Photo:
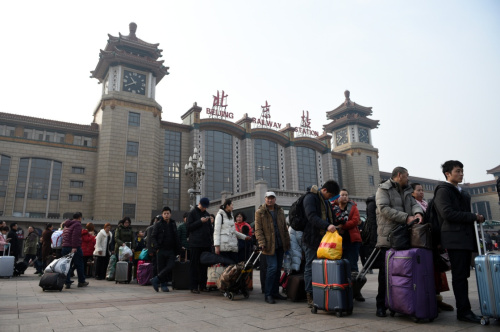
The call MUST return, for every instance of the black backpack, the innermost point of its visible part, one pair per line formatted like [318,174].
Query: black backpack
[370,225]
[297,216]
[431,217]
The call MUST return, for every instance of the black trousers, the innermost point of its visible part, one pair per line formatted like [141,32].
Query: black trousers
[165,260]
[198,271]
[380,299]
[101,266]
[460,272]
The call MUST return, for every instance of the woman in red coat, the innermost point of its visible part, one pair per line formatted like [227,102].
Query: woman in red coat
[88,246]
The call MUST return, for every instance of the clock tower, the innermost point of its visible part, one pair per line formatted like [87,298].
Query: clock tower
[130,137]
[351,129]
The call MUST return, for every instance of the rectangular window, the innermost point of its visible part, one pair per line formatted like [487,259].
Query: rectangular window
[172,169]
[369,160]
[4,174]
[77,170]
[129,210]
[59,138]
[130,179]
[76,184]
[75,198]
[371,180]
[133,148]
[134,119]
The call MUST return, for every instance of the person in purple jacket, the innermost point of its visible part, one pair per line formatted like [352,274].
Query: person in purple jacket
[72,242]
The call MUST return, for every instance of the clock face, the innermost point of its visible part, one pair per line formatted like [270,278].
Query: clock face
[341,137]
[134,82]
[363,136]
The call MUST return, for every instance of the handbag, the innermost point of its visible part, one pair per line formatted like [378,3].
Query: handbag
[421,236]
[330,246]
[442,261]
[399,237]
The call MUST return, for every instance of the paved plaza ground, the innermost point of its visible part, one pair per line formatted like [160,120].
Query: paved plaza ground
[106,306]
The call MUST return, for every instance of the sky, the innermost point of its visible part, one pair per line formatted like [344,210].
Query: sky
[430,70]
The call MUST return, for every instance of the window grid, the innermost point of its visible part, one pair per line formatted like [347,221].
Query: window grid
[306,167]
[76,184]
[78,170]
[129,210]
[130,179]
[218,161]
[172,170]
[134,119]
[337,171]
[4,174]
[132,148]
[38,182]
[75,198]
[369,160]
[266,162]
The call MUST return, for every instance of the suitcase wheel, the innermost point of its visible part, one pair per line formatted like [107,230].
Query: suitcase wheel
[485,321]
[246,295]
[339,313]
[392,313]
[230,296]
[314,310]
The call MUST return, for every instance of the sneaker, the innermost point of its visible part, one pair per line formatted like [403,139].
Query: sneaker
[164,288]
[83,284]
[156,284]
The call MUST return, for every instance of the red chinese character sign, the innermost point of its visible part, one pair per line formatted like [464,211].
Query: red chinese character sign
[219,105]
[265,119]
[305,126]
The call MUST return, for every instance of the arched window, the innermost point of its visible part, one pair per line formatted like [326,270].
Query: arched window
[218,163]
[266,162]
[306,167]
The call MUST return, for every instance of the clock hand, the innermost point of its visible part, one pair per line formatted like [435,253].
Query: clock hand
[129,84]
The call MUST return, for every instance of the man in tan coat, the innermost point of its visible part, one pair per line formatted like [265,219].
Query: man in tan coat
[274,240]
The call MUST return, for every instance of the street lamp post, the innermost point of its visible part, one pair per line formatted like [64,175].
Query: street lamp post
[261,169]
[195,169]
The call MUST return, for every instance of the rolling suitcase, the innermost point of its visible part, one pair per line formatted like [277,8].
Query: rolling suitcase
[180,274]
[488,281]
[6,263]
[123,272]
[52,281]
[410,283]
[332,286]
[144,273]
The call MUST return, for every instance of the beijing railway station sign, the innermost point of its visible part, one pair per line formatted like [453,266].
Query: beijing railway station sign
[305,126]
[218,109]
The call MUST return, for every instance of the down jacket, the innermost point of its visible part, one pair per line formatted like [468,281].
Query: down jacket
[394,205]
[264,229]
[319,217]
[100,243]
[295,248]
[225,234]
[88,243]
[352,222]
[72,234]
[123,234]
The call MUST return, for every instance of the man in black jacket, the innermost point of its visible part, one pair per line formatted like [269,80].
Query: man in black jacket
[166,243]
[15,246]
[200,240]
[457,234]
[319,215]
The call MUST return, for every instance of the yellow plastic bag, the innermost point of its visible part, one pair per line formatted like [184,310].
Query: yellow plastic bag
[330,246]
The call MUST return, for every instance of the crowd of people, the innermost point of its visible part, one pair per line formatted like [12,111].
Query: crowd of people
[327,209]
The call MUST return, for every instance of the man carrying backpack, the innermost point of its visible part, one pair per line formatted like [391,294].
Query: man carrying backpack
[318,213]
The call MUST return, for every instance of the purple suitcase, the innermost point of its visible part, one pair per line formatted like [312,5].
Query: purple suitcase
[410,283]
[144,274]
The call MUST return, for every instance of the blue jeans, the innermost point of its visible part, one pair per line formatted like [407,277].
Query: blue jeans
[77,263]
[274,264]
[350,251]
[310,256]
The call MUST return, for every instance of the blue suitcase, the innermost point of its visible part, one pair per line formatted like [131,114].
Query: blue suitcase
[332,286]
[488,281]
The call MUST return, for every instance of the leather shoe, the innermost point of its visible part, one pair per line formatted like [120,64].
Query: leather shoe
[359,298]
[195,291]
[83,284]
[270,300]
[279,297]
[381,312]
[470,317]
[156,284]
[205,290]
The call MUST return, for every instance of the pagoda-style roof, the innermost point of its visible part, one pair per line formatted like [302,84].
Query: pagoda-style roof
[130,50]
[348,107]
[494,170]
[348,119]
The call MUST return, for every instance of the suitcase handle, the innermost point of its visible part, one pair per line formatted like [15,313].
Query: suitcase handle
[5,246]
[482,237]
[368,264]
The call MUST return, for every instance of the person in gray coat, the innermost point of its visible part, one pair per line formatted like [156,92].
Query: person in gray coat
[395,205]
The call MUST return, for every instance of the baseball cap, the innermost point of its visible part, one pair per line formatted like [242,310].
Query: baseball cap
[270,193]
[205,202]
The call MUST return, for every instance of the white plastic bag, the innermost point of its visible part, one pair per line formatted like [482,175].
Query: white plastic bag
[125,253]
[61,265]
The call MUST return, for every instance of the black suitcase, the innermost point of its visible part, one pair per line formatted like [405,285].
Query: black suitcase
[20,268]
[52,281]
[295,288]
[180,275]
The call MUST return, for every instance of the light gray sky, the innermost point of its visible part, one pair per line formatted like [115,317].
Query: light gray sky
[429,69]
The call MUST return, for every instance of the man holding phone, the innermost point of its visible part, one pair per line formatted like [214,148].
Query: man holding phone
[200,240]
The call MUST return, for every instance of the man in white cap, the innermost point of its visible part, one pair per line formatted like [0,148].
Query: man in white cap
[273,238]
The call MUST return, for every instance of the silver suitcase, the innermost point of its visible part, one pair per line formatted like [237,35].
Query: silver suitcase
[6,263]
[123,272]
